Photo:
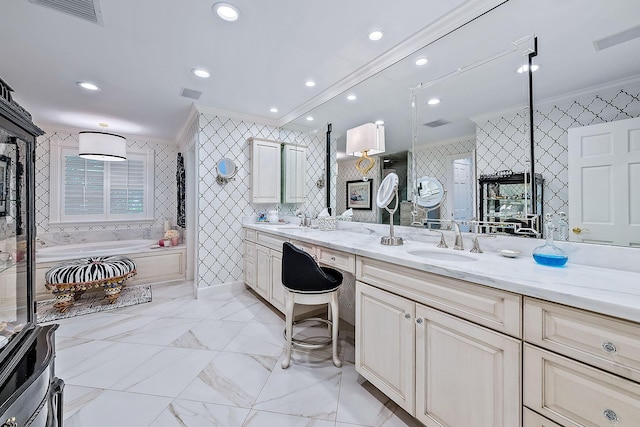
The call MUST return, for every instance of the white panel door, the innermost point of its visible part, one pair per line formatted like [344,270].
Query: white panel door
[295,171]
[604,183]
[385,343]
[265,171]
[461,186]
[466,375]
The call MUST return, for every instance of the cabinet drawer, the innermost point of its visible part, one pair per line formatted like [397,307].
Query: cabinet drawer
[250,273]
[496,309]
[270,240]
[532,419]
[601,341]
[250,234]
[341,260]
[574,394]
[309,248]
[250,251]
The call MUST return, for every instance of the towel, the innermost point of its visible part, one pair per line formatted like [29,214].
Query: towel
[347,213]
[324,213]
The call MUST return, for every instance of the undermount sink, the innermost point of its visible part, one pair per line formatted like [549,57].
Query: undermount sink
[441,255]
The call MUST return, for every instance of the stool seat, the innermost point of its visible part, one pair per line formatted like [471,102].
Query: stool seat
[307,283]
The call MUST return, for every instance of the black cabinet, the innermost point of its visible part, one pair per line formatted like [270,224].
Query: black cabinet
[504,197]
[30,394]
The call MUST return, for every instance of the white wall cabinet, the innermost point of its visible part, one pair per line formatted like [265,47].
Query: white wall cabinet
[294,173]
[265,170]
[443,370]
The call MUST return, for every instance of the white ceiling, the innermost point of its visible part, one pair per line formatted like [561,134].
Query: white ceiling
[569,63]
[142,56]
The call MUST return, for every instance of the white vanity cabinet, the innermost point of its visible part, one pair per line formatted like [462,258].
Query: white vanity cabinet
[581,368]
[294,172]
[442,369]
[265,170]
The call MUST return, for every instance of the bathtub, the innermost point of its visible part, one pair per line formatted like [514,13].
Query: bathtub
[158,265]
[83,250]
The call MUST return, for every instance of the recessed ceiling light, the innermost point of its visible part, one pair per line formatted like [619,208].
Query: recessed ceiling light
[274,110]
[525,68]
[88,86]
[376,35]
[200,73]
[351,97]
[433,101]
[421,61]
[379,122]
[309,83]
[309,118]
[226,11]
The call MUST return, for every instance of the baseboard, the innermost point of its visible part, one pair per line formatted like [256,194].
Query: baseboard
[230,287]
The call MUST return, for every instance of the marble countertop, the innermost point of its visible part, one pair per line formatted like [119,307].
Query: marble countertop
[603,290]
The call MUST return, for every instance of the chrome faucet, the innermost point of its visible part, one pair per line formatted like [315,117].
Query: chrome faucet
[458,244]
[442,243]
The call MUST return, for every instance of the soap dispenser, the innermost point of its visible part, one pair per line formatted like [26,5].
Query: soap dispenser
[549,254]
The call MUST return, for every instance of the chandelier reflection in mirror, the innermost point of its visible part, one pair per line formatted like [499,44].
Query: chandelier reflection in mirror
[100,145]
[365,140]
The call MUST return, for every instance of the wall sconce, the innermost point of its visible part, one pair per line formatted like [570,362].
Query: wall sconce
[365,140]
[103,146]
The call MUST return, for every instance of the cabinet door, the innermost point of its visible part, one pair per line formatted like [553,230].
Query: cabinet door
[263,271]
[277,290]
[295,168]
[466,375]
[265,171]
[385,343]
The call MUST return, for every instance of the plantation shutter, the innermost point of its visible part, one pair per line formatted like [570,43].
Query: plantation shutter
[127,184]
[83,186]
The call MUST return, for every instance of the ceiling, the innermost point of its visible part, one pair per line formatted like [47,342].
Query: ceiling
[566,31]
[142,54]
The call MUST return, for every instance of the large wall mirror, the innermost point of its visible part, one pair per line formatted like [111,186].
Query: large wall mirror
[588,74]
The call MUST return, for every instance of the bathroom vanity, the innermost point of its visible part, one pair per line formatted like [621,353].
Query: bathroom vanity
[461,339]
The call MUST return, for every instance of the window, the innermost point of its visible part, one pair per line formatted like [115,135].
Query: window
[85,190]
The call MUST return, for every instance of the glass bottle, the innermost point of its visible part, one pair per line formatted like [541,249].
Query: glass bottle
[549,254]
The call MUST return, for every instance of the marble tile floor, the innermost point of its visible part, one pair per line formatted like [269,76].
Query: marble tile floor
[214,361]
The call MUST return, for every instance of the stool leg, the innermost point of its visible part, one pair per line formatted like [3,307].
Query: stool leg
[335,323]
[289,302]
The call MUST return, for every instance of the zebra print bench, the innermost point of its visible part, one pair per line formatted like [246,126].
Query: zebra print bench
[69,280]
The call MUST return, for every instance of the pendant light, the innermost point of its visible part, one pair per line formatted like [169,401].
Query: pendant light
[100,145]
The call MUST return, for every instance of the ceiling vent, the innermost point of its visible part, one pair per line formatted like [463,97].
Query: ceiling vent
[89,10]
[190,93]
[437,123]
[616,39]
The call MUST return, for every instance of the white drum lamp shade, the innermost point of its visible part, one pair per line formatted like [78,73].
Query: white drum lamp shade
[362,141]
[368,137]
[102,146]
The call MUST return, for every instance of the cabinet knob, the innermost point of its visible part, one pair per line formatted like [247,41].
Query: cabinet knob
[610,415]
[609,347]
[419,321]
[407,316]
[333,258]
[11,422]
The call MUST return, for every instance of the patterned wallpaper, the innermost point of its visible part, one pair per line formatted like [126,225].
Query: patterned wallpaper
[496,149]
[432,161]
[165,183]
[347,172]
[222,207]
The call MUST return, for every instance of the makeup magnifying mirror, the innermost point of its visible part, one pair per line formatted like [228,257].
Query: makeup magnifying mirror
[429,195]
[226,170]
[387,191]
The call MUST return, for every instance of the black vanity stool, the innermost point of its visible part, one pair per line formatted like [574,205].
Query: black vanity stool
[307,283]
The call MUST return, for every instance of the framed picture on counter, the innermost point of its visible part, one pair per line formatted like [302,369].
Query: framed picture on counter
[5,167]
[359,194]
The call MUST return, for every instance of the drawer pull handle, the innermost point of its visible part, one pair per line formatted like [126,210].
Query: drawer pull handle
[419,321]
[407,316]
[609,347]
[333,258]
[610,415]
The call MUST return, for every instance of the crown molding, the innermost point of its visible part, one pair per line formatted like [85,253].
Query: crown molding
[438,29]
[235,115]
[589,91]
[193,113]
